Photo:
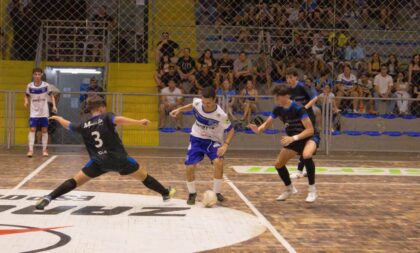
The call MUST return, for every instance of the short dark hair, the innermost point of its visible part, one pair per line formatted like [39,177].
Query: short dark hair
[36,70]
[95,102]
[208,92]
[242,52]
[225,51]
[383,65]
[291,72]
[280,90]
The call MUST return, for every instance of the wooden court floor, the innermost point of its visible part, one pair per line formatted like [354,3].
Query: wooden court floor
[352,213]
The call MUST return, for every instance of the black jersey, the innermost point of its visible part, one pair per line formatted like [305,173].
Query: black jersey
[225,66]
[292,117]
[302,95]
[186,64]
[101,140]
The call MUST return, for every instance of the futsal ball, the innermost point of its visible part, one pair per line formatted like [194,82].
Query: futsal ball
[209,198]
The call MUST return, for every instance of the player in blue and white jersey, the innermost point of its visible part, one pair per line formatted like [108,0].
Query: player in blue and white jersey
[206,138]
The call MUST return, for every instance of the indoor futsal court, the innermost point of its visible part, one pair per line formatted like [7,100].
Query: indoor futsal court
[354,213]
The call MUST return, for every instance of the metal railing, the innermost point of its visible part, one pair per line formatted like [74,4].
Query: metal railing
[400,130]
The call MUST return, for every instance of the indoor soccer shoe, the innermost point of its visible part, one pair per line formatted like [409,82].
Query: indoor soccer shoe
[220,197]
[312,194]
[287,193]
[43,202]
[170,195]
[191,198]
[298,174]
[30,153]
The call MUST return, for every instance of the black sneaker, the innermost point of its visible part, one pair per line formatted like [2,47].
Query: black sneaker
[171,193]
[191,198]
[42,203]
[220,197]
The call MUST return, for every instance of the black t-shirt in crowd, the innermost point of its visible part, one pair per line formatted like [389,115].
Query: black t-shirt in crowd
[205,80]
[279,54]
[168,76]
[292,118]
[186,64]
[225,66]
[101,140]
[168,48]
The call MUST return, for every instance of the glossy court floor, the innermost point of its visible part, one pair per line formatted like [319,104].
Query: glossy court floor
[353,213]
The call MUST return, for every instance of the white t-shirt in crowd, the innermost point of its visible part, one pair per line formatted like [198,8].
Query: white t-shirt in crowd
[319,52]
[348,82]
[38,96]
[383,83]
[172,96]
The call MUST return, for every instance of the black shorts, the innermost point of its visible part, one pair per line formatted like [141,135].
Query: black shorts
[299,146]
[93,169]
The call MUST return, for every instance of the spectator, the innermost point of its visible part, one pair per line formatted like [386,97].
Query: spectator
[309,6]
[224,68]
[374,66]
[329,96]
[170,100]
[172,74]
[95,88]
[393,65]
[279,52]
[166,47]
[366,90]
[302,21]
[323,80]
[262,69]
[162,69]
[354,54]
[208,59]
[204,78]
[346,87]
[414,71]
[242,70]
[340,36]
[265,21]
[318,52]
[229,93]
[186,69]
[249,101]
[402,88]
[383,89]
[103,16]
[316,21]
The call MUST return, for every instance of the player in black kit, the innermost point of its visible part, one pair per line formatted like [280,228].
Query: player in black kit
[299,139]
[106,152]
[303,96]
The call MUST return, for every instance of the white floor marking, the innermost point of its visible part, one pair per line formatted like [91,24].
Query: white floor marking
[261,217]
[36,171]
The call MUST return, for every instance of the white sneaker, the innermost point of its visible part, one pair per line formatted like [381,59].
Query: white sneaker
[286,194]
[312,195]
[298,174]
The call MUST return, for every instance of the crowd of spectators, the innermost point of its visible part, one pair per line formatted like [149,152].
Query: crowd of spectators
[346,73]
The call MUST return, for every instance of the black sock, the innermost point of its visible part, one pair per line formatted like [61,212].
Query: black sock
[310,170]
[301,164]
[284,175]
[64,188]
[151,183]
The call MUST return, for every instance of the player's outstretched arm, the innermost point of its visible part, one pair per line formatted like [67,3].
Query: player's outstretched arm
[65,123]
[185,108]
[258,129]
[124,121]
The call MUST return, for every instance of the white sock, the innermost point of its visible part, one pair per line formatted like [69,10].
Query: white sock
[191,187]
[289,187]
[217,185]
[31,138]
[312,188]
[44,141]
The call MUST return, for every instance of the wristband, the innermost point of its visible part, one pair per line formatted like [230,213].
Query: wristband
[295,137]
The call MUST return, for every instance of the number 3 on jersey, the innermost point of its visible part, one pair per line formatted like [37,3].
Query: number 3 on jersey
[98,139]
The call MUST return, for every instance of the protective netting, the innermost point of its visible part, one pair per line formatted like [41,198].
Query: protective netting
[81,30]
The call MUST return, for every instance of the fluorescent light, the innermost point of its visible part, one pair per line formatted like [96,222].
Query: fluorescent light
[77,71]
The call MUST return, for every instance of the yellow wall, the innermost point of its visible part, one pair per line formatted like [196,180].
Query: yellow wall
[14,75]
